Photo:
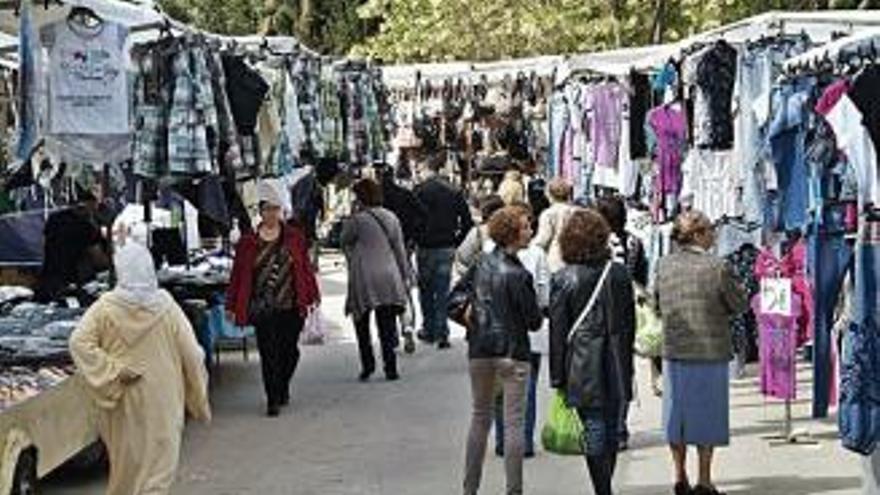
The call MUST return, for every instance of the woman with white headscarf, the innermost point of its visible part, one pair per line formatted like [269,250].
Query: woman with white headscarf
[142,365]
[272,288]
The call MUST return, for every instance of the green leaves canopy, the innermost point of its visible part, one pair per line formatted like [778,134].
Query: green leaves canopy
[443,30]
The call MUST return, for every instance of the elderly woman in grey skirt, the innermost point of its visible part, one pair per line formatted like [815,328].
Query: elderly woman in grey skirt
[378,275]
[697,296]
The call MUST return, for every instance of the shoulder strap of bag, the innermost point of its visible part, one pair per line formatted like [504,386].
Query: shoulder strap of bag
[593,298]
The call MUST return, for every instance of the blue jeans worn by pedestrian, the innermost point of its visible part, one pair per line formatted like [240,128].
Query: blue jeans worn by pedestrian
[531,410]
[435,277]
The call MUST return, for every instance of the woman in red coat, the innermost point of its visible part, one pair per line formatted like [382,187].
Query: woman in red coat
[272,287]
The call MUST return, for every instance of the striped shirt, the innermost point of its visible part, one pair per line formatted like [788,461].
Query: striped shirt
[273,274]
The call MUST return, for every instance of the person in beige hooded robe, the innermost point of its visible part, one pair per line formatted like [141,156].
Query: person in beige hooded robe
[140,360]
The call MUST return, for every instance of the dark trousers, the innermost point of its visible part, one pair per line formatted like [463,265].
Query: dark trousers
[278,344]
[600,445]
[386,317]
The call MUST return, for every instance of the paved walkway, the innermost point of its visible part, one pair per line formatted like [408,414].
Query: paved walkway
[342,437]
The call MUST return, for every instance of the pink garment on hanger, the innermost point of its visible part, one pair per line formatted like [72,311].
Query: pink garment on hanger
[669,126]
[604,105]
[566,155]
[832,95]
[777,345]
[793,265]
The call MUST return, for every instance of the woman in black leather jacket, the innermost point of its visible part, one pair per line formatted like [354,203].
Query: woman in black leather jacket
[591,356]
[503,309]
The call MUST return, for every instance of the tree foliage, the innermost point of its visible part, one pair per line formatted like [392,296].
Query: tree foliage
[328,26]
[438,30]
[441,30]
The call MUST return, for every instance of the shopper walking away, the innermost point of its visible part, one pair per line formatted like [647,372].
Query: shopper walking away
[478,241]
[412,216]
[697,297]
[534,260]
[272,288]
[141,363]
[628,250]
[592,332]
[498,299]
[378,275]
[449,221]
[405,205]
[553,219]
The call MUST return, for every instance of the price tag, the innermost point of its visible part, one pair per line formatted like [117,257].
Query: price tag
[776,296]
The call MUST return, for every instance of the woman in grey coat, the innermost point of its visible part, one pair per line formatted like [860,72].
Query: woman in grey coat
[378,275]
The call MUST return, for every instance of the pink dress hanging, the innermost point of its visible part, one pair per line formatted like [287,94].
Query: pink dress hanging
[777,344]
[793,265]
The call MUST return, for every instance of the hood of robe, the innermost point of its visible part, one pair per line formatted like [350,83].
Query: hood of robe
[136,304]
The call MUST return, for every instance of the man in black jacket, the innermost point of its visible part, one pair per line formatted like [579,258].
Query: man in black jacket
[413,216]
[448,222]
[405,205]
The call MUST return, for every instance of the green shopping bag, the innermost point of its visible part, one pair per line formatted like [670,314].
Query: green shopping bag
[563,432]
[649,332]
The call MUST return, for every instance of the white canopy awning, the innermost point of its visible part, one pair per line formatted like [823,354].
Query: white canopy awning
[620,61]
[398,76]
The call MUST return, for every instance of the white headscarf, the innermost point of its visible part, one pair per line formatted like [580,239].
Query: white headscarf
[271,191]
[136,281]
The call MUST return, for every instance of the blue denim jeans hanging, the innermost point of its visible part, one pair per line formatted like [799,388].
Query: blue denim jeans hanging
[831,257]
[860,381]
[787,142]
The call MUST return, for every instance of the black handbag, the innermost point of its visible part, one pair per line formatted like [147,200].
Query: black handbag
[460,302]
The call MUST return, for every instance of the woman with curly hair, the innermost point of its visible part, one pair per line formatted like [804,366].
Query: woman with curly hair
[500,309]
[592,333]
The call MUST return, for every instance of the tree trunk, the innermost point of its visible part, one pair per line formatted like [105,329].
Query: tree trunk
[659,25]
[305,21]
[616,15]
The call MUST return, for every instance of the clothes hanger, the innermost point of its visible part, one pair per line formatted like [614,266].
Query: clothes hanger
[84,17]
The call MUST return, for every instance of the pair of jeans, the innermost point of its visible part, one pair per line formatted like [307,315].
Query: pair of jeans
[787,136]
[386,319]
[601,435]
[859,415]
[485,374]
[435,278]
[278,345]
[832,257]
[531,410]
